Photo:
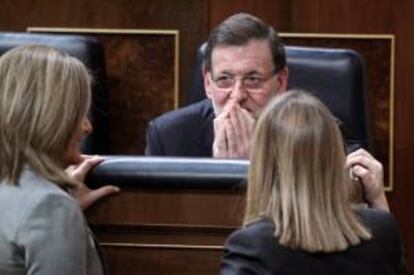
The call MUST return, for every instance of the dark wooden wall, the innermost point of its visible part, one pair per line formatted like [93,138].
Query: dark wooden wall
[166,231]
[196,17]
[189,17]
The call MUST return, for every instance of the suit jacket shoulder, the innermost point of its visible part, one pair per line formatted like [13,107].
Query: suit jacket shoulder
[255,250]
[386,236]
[44,231]
[184,132]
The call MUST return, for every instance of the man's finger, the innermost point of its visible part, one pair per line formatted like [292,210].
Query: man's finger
[232,141]
[360,171]
[362,157]
[362,153]
[227,109]
[248,122]
[220,141]
[368,163]
[236,127]
[218,124]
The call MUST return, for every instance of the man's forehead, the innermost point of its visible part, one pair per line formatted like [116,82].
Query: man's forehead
[254,56]
[252,43]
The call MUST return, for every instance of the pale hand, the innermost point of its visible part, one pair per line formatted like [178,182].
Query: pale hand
[233,133]
[83,195]
[371,173]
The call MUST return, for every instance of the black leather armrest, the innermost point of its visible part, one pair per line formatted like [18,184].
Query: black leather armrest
[169,172]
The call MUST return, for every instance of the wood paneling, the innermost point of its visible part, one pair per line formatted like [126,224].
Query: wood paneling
[170,207]
[275,12]
[163,260]
[141,81]
[166,231]
[402,200]
[355,16]
[146,100]
[189,17]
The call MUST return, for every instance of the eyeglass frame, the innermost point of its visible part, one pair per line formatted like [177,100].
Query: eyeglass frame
[234,79]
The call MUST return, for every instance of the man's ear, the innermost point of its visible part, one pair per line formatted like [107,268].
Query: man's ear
[282,79]
[208,83]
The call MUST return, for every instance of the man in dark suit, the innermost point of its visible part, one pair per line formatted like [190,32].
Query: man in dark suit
[244,67]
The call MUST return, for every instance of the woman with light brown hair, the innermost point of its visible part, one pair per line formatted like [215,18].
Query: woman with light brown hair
[299,219]
[44,102]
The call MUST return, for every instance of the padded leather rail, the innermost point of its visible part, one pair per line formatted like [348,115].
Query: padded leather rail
[169,172]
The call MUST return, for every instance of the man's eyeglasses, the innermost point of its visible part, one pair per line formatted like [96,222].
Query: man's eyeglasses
[226,81]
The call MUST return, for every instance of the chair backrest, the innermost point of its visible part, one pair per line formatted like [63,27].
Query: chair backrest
[335,76]
[90,51]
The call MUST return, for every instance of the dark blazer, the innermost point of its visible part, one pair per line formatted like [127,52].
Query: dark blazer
[254,250]
[184,132]
[188,132]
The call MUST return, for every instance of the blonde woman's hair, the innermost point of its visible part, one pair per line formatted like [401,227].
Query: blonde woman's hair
[44,94]
[297,177]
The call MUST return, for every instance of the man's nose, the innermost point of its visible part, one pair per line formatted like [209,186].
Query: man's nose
[238,92]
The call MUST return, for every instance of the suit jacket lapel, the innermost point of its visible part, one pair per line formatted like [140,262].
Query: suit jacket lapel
[204,136]
[100,253]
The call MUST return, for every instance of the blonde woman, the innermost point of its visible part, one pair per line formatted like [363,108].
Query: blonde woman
[298,217]
[44,101]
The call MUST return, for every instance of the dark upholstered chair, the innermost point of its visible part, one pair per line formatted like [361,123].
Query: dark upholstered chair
[336,76]
[91,53]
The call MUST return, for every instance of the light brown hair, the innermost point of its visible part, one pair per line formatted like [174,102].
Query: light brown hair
[44,94]
[297,176]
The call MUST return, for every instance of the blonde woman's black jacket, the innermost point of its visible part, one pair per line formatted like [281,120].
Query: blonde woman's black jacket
[254,250]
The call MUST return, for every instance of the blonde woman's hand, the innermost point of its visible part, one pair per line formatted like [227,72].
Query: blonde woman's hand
[371,173]
[83,195]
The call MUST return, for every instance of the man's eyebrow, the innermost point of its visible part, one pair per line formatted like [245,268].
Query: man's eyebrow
[250,73]
[225,72]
